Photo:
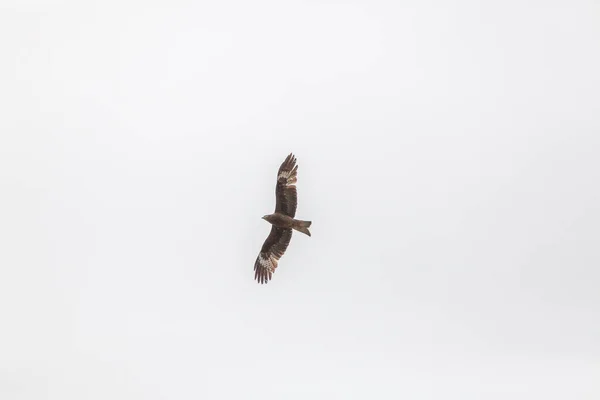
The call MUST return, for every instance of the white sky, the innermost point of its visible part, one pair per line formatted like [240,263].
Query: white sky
[448,157]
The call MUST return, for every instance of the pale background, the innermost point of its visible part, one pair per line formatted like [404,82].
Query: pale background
[449,161]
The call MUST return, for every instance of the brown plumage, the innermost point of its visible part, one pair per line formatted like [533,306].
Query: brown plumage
[282,221]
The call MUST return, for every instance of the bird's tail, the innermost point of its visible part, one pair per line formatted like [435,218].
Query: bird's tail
[302,226]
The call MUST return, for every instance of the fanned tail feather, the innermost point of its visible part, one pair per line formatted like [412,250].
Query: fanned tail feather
[302,226]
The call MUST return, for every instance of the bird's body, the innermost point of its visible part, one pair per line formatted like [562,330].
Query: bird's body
[282,221]
[279,220]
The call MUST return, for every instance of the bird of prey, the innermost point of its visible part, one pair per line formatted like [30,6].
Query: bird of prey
[282,221]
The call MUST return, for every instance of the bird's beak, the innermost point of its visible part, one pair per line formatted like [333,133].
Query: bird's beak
[264,217]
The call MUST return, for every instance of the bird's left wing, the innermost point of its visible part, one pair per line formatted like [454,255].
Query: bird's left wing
[285,192]
[272,250]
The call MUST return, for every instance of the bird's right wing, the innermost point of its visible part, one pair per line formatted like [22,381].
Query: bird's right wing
[272,250]
[285,192]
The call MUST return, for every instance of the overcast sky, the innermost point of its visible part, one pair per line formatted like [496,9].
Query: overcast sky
[449,158]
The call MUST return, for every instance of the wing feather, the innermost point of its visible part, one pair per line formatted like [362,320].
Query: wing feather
[270,253]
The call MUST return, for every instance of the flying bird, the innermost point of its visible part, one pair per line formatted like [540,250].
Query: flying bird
[282,221]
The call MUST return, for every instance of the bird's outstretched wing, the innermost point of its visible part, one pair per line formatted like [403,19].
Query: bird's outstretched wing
[272,250]
[285,192]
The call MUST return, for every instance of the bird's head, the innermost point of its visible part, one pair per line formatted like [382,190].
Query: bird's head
[267,218]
